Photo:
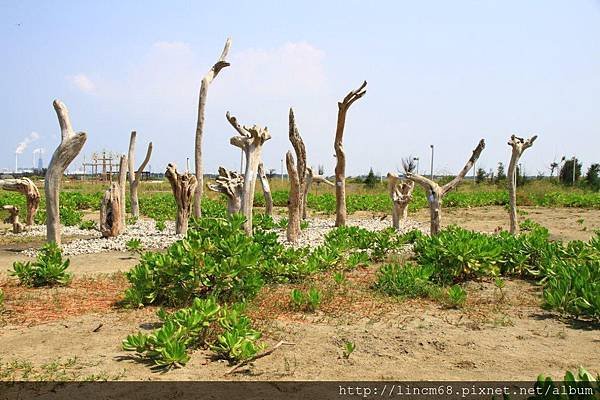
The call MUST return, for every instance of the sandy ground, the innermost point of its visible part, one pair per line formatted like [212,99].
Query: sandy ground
[490,339]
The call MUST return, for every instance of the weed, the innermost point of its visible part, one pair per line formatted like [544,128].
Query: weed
[456,296]
[348,349]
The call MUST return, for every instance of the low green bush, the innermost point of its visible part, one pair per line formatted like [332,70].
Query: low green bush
[48,270]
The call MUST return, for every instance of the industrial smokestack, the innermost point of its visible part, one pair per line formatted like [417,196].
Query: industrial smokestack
[16,162]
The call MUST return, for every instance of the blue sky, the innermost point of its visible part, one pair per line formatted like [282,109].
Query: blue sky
[439,72]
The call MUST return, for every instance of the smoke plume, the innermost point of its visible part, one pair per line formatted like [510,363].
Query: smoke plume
[33,136]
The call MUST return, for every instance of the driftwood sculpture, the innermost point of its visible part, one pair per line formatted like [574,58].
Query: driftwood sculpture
[297,173]
[206,81]
[136,176]
[251,140]
[111,208]
[401,194]
[519,145]
[264,182]
[310,178]
[340,166]
[229,183]
[29,190]
[122,184]
[69,147]
[183,186]
[435,192]
[13,218]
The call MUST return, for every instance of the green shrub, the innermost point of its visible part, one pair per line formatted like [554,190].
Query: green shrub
[408,280]
[49,269]
[456,296]
[87,225]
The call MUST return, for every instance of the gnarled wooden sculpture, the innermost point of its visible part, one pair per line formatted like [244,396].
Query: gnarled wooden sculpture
[183,186]
[264,182]
[251,140]
[435,192]
[69,147]
[28,189]
[206,81]
[136,176]
[340,166]
[401,194]
[519,145]
[13,218]
[229,183]
[111,208]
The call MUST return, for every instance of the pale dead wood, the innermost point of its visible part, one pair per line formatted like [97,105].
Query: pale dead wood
[401,195]
[261,355]
[110,212]
[229,183]
[13,218]
[519,145]
[300,150]
[69,147]
[340,166]
[435,192]
[264,182]
[251,141]
[293,228]
[206,81]
[310,178]
[26,187]
[136,176]
[183,187]
[122,184]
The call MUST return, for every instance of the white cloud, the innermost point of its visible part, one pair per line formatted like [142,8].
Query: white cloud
[82,82]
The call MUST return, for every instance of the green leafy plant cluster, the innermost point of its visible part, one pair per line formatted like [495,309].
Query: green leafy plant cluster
[87,225]
[575,385]
[223,329]
[48,270]
[306,301]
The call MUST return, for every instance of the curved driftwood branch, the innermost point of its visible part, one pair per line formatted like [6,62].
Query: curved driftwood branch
[26,187]
[69,147]
[264,182]
[206,81]
[251,140]
[435,192]
[519,145]
[183,187]
[401,195]
[293,228]
[136,176]
[340,167]
[229,183]
[13,218]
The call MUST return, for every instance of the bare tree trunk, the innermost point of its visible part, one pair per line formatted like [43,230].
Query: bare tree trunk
[519,145]
[183,186]
[230,183]
[401,194]
[251,140]
[27,188]
[122,184]
[206,81]
[293,228]
[13,218]
[264,182]
[69,147]
[340,166]
[435,192]
[111,220]
[136,176]
[300,149]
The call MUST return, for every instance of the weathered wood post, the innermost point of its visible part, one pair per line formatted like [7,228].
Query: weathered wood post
[519,145]
[136,176]
[401,194]
[13,218]
[26,187]
[122,184]
[340,166]
[206,81]
[435,192]
[111,208]
[69,147]
[264,182]
[183,186]
[293,228]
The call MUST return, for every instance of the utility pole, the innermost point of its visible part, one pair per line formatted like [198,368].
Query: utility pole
[282,170]
[574,167]
[417,160]
[431,172]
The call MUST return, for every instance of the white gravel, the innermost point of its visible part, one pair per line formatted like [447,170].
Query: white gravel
[145,230]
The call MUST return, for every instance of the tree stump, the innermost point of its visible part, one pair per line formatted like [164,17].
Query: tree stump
[300,149]
[251,140]
[183,186]
[13,218]
[111,222]
[435,192]
[229,183]
[69,147]
[206,81]
[401,195]
[519,145]
[135,176]
[26,187]
[264,182]
[293,228]
[340,166]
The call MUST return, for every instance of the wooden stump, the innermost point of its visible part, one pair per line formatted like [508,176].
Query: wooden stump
[401,195]
[293,228]
[13,218]
[111,222]
[519,145]
[264,182]
[183,187]
[229,183]
[26,187]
